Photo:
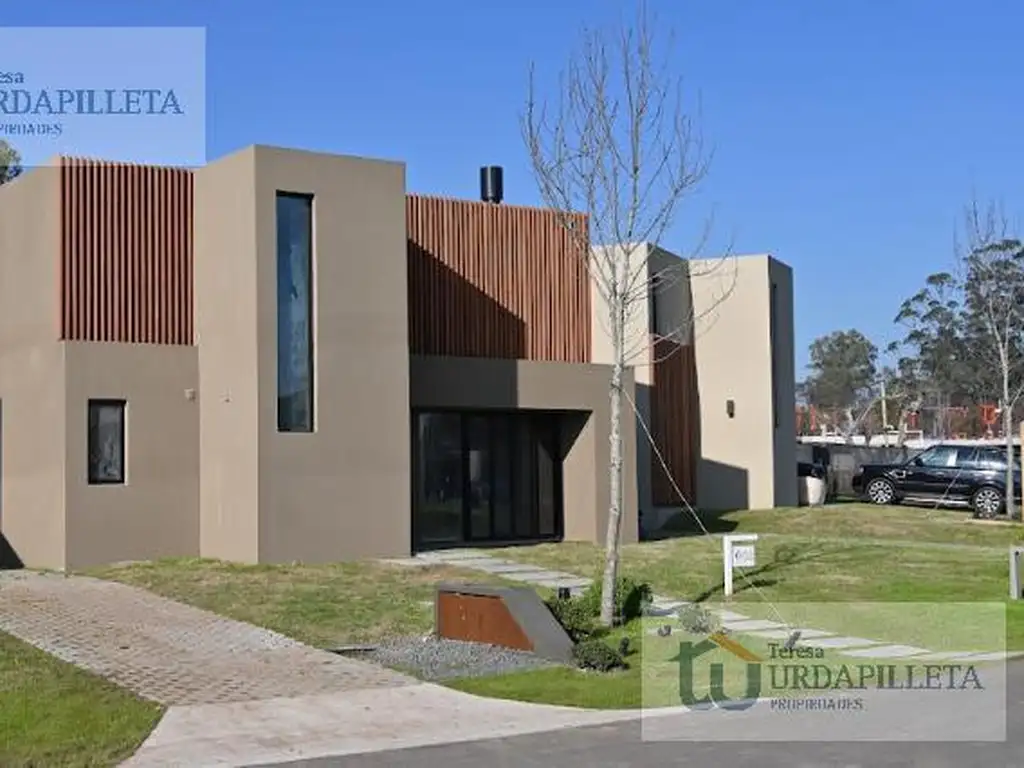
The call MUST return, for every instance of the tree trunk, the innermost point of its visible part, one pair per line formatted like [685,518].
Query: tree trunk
[611,554]
[901,432]
[617,311]
[1011,511]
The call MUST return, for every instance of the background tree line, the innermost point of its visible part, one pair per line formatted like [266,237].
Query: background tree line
[956,367]
[959,346]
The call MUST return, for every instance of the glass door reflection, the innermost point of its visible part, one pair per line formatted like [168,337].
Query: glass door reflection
[440,478]
[478,447]
[487,476]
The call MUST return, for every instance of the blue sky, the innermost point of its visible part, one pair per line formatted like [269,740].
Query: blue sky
[847,135]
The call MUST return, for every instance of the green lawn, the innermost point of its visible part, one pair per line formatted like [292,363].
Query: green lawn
[812,557]
[53,714]
[323,605]
[844,553]
[570,687]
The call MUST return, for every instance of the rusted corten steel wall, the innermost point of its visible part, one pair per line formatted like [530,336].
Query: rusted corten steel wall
[674,416]
[125,253]
[497,281]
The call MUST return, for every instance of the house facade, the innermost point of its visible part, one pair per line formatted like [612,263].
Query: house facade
[283,356]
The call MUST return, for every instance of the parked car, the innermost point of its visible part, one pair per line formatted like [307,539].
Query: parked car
[953,475]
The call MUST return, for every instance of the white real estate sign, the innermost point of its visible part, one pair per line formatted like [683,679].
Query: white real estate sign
[737,552]
[743,556]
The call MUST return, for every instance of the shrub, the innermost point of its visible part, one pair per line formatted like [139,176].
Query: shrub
[631,597]
[596,655]
[574,615]
[698,620]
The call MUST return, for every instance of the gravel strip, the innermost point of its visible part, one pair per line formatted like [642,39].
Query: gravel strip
[433,658]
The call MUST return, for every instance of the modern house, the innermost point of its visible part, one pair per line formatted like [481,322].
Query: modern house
[283,356]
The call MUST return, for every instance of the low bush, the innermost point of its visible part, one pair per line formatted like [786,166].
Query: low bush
[698,620]
[598,656]
[631,597]
[575,617]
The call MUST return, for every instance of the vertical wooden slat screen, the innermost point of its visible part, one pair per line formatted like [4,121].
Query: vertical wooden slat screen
[498,281]
[674,422]
[126,253]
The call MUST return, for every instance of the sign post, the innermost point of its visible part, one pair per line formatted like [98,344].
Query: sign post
[737,552]
[1015,584]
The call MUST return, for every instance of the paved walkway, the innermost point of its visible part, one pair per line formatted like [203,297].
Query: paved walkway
[169,652]
[356,722]
[667,606]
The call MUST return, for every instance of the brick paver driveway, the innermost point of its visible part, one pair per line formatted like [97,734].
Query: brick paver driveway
[169,652]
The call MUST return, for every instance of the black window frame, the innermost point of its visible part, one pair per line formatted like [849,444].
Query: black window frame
[523,482]
[310,200]
[94,406]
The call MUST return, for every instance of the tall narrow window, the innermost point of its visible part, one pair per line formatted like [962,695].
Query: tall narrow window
[774,341]
[294,312]
[106,442]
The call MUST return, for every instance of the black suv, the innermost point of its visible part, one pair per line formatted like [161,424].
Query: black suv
[955,475]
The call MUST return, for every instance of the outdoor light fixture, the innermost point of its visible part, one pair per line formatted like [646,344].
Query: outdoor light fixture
[730,408]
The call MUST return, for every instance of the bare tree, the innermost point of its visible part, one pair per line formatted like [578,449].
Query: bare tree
[992,278]
[621,147]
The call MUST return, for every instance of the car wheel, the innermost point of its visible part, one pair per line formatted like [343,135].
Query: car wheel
[987,502]
[881,491]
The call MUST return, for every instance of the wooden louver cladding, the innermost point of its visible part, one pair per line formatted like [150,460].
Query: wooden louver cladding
[497,281]
[126,253]
[674,422]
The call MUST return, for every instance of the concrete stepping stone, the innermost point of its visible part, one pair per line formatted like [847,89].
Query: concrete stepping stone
[986,656]
[944,655]
[499,567]
[670,602]
[454,555]
[731,616]
[535,577]
[784,634]
[568,582]
[888,652]
[662,610]
[475,564]
[667,606]
[839,642]
[751,624]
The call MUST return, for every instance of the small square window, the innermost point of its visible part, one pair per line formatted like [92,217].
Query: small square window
[106,442]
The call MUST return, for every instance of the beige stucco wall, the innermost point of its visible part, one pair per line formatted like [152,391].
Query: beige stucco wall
[342,491]
[721,307]
[746,461]
[31,370]
[32,440]
[225,301]
[638,353]
[481,383]
[155,513]
[784,373]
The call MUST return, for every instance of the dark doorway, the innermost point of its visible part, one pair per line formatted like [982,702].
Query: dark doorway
[486,477]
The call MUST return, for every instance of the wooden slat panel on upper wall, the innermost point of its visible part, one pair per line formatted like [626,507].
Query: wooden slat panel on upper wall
[126,253]
[498,281]
[674,423]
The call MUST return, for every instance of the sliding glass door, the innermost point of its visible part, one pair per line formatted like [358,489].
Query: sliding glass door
[487,476]
[439,470]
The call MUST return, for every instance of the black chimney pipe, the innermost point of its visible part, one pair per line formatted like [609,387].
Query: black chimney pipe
[491,187]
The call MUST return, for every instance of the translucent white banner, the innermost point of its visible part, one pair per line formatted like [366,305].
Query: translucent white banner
[827,672]
[136,94]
